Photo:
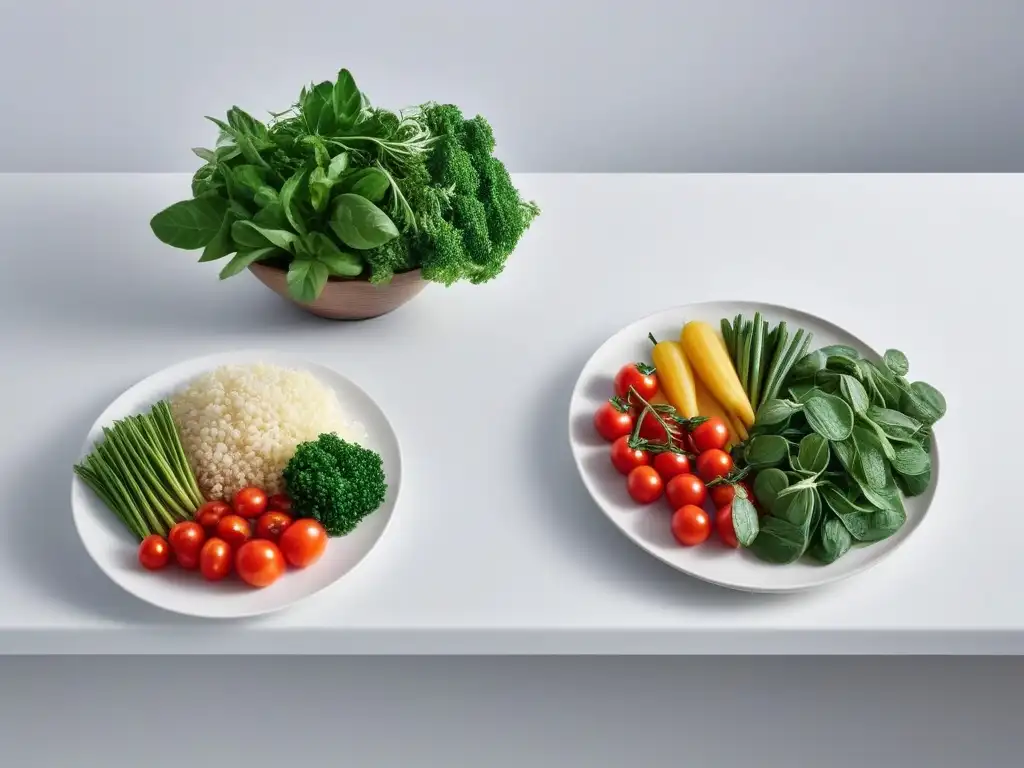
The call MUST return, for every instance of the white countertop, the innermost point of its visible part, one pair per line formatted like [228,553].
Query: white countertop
[495,546]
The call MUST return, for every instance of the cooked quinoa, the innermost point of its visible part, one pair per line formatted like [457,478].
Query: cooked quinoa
[240,424]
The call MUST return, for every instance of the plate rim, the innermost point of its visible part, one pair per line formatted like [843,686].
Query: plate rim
[632,537]
[175,370]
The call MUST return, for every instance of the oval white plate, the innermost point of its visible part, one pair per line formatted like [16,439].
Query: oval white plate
[173,589]
[648,526]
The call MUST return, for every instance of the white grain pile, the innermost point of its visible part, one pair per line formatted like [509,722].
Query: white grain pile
[239,424]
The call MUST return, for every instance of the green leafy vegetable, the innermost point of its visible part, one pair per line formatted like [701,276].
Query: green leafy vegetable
[813,455]
[191,223]
[766,451]
[829,416]
[306,278]
[768,484]
[744,520]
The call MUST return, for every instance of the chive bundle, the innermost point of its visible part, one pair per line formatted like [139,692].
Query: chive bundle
[140,472]
[763,355]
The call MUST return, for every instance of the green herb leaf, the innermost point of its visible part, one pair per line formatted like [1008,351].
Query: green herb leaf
[221,245]
[266,195]
[766,451]
[871,463]
[249,177]
[829,416]
[914,485]
[911,460]
[243,259]
[317,109]
[813,454]
[744,521]
[337,261]
[190,224]
[834,541]
[840,350]
[854,393]
[896,362]
[767,486]
[360,224]
[246,124]
[346,99]
[205,154]
[306,279]
[319,189]
[896,425]
[287,200]
[796,508]
[337,166]
[776,411]
[779,541]
[372,184]
[923,402]
[856,519]
[807,366]
[279,237]
[843,364]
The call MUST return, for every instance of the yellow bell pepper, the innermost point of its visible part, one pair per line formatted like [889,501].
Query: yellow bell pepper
[675,377]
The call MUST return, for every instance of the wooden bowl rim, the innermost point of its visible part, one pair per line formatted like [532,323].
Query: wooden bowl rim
[413,274]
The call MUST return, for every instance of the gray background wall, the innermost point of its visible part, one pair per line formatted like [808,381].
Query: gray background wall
[675,85]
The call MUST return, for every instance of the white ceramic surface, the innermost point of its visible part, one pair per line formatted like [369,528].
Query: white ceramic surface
[114,550]
[649,526]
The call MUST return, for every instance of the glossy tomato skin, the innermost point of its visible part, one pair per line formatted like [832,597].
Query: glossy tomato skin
[644,485]
[272,524]
[259,563]
[611,422]
[186,539]
[722,494]
[714,463]
[303,543]
[712,433]
[723,524]
[234,530]
[210,514]
[154,552]
[630,376]
[626,459]
[686,489]
[651,429]
[281,502]
[669,464]
[250,502]
[215,559]
[690,525]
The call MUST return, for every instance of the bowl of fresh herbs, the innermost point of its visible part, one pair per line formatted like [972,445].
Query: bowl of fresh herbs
[347,209]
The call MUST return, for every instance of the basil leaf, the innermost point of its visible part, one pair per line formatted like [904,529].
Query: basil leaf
[744,521]
[317,108]
[373,185]
[205,154]
[767,485]
[854,393]
[829,416]
[360,224]
[243,259]
[190,224]
[221,245]
[766,451]
[813,454]
[337,166]
[246,124]
[834,541]
[319,189]
[911,460]
[249,177]
[338,262]
[287,200]
[779,541]
[923,402]
[346,99]
[306,279]
[896,362]
[776,412]
[242,232]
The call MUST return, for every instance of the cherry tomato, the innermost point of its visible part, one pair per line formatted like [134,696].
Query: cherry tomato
[714,463]
[154,552]
[644,485]
[651,429]
[259,563]
[250,502]
[215,559]
[303,543]
[722,494]
[281,502]
[638,376]
[723,524]
[613,420]
[210,514]
[685,489]
[669,464]
[271,525]
[626,459]
[234,530]
[690,525]
[186,539]
[713,433]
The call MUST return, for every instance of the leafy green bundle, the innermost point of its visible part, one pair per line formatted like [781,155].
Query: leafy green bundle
[336,187]
[835,457]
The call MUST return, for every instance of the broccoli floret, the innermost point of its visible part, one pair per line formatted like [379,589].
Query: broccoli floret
[335,482]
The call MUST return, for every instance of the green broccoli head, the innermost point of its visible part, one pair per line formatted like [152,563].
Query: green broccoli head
[335,482]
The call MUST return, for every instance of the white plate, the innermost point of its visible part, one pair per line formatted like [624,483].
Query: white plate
[115,551]
[648,526]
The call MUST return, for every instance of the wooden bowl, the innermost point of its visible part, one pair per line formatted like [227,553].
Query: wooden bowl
[348,298]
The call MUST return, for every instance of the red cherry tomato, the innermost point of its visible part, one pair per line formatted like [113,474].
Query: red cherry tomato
[685,489]
[271,525]
[303,543]
[644,485]
[259,563]
[186,539]
[714,463]
[638,376]
[281,502]
[215,559]
[651,429]
[613,420]
[713,433]
[210,514]
[234,530]
[250,502]
[669,464]
[723,524]
[626,459]
[722,494]
[690,525]
[154,552]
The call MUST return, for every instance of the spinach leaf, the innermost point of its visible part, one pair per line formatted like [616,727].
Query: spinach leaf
[844,365]
[911,460]
[887,385]
[779,541]
[896,425]
[766,451]
[271,217]
[872,466]
[856,518]
[319,189]
[813,454]
[914,485]
[360,224]
[251,235]
[190,224]
[347,101]
[371,184]
[744,521]
[205,154]
[767,485]
[829,416]
[321,248]
[808,365]
[923,402]
[221,245]
[243,259]
[880,436]
[317,108]
[833,541]
[854,393]
[266,195]
[840,350]
[248,177]
[287,200]
[796,508]
[800,392]
[896,362]
[776,412]
[306,279]
[337,166]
